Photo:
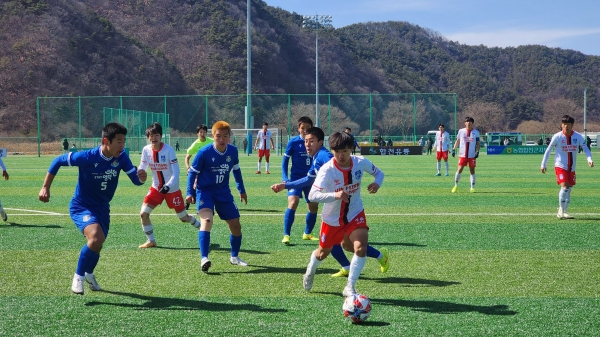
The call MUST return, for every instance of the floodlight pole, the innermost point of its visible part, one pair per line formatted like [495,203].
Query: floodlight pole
[314,21]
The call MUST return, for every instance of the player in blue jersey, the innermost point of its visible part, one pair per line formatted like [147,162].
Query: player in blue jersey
[313,142]
[99,170]
[211,167]
[301,163]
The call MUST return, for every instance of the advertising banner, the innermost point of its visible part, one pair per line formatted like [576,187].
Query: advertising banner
[537,149]
[391,150]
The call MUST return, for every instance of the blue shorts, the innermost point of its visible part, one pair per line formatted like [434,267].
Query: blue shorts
[84,215]
[220,201]
[299,191]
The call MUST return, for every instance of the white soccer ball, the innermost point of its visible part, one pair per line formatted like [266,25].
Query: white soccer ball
[357,308]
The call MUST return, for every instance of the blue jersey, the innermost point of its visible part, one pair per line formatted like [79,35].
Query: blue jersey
[301,161]
[98,175]
[211,168]
[322,156]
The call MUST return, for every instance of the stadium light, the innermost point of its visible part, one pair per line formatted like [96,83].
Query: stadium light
[315,22]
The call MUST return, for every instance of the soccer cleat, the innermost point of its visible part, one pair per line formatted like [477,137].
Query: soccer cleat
[385,260]
[307,281]
[472,190]
[348,290]
[267,172]
[560,213]
[446,174]
[90,279]
[235,260]
[205,264]
[309,237]
[286,240]
[148,244]
[77,286]
[342,273]
[567,216]
[438,174]
[257,172]
[454,189]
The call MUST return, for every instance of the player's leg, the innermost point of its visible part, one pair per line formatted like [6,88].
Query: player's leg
[260,156]
[439,164]
[94,226]
[267,155]
[175,202]
[446,163]
[333,235]
[206,223]
[472,177]
[235,239]
[3,213]
[381,255]
[461,165]
[359,238]
[290,214]
[147,226]
[311,216]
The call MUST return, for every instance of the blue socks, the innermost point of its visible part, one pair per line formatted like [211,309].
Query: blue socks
[311,219]
[88,259]
[236,243]
[288,221]
[373,252]
[338,254]
[204,243]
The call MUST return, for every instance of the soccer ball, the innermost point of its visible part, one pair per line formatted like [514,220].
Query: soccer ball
[357,308]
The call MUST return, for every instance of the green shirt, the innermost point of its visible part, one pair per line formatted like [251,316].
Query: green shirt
[197,145]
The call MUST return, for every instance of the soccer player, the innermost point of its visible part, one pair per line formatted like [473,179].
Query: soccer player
[301,163]
[442,142]
[5,175]
[161,159]
[468,140]
[99,170]
[343,217]
[263,139]
[211,167]
[566,142]
[349,131]
[202,141]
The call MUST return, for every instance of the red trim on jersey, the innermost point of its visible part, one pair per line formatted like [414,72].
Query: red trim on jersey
[467,143]
[159,174]
[569,153]
[345,206]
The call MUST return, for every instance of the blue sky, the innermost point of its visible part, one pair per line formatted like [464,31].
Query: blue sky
[493,23]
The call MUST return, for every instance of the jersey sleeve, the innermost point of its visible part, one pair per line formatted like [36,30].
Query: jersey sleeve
[174,168]
[318,191]
[373,170]
[143,163]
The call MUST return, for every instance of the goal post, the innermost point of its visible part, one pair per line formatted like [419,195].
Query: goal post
[238,136]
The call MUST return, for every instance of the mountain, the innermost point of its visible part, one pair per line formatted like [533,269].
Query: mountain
[183,47]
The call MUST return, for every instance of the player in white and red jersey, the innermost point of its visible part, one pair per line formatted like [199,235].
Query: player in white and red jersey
[566,142]
[264,144]
[442,143]
[338,185]
[468,140]
[161,159]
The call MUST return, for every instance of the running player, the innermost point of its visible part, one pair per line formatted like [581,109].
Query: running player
[566,142]
[99,170]
[442,142]
[161,159]
[5,175]
[468,139]
[263,139]
[211,167]
[301,163]
[338,186]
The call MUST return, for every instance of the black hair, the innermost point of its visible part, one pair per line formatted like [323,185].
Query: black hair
[442,125]
[265,123]
[111,130]
[340,141]
[349,129]
[154,128]
[306,120]
[469,119]
[317,132]
[201,127]
[566,119]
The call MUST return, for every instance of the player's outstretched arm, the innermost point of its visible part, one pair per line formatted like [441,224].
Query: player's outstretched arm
[44,195]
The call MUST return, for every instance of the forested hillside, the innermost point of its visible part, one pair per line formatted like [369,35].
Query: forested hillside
[179,47]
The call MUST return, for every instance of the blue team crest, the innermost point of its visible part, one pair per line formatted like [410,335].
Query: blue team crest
[228,159]
[86,218]
[574,140]
[115,163]
[200,202]
[358,175]
[163,158]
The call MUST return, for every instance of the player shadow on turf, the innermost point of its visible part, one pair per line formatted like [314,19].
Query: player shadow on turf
[257,269]
[412,282]
[215,247]
[14,225]
[440,307]
[173,303]
[404,244]
[261,210]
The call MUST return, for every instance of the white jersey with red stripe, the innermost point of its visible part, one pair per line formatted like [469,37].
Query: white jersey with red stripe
[468,142]
[332,178]
[566,150]
[442,141]
[264,140]
[164,166]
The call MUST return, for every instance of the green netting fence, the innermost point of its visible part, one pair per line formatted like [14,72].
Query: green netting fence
[401,117]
